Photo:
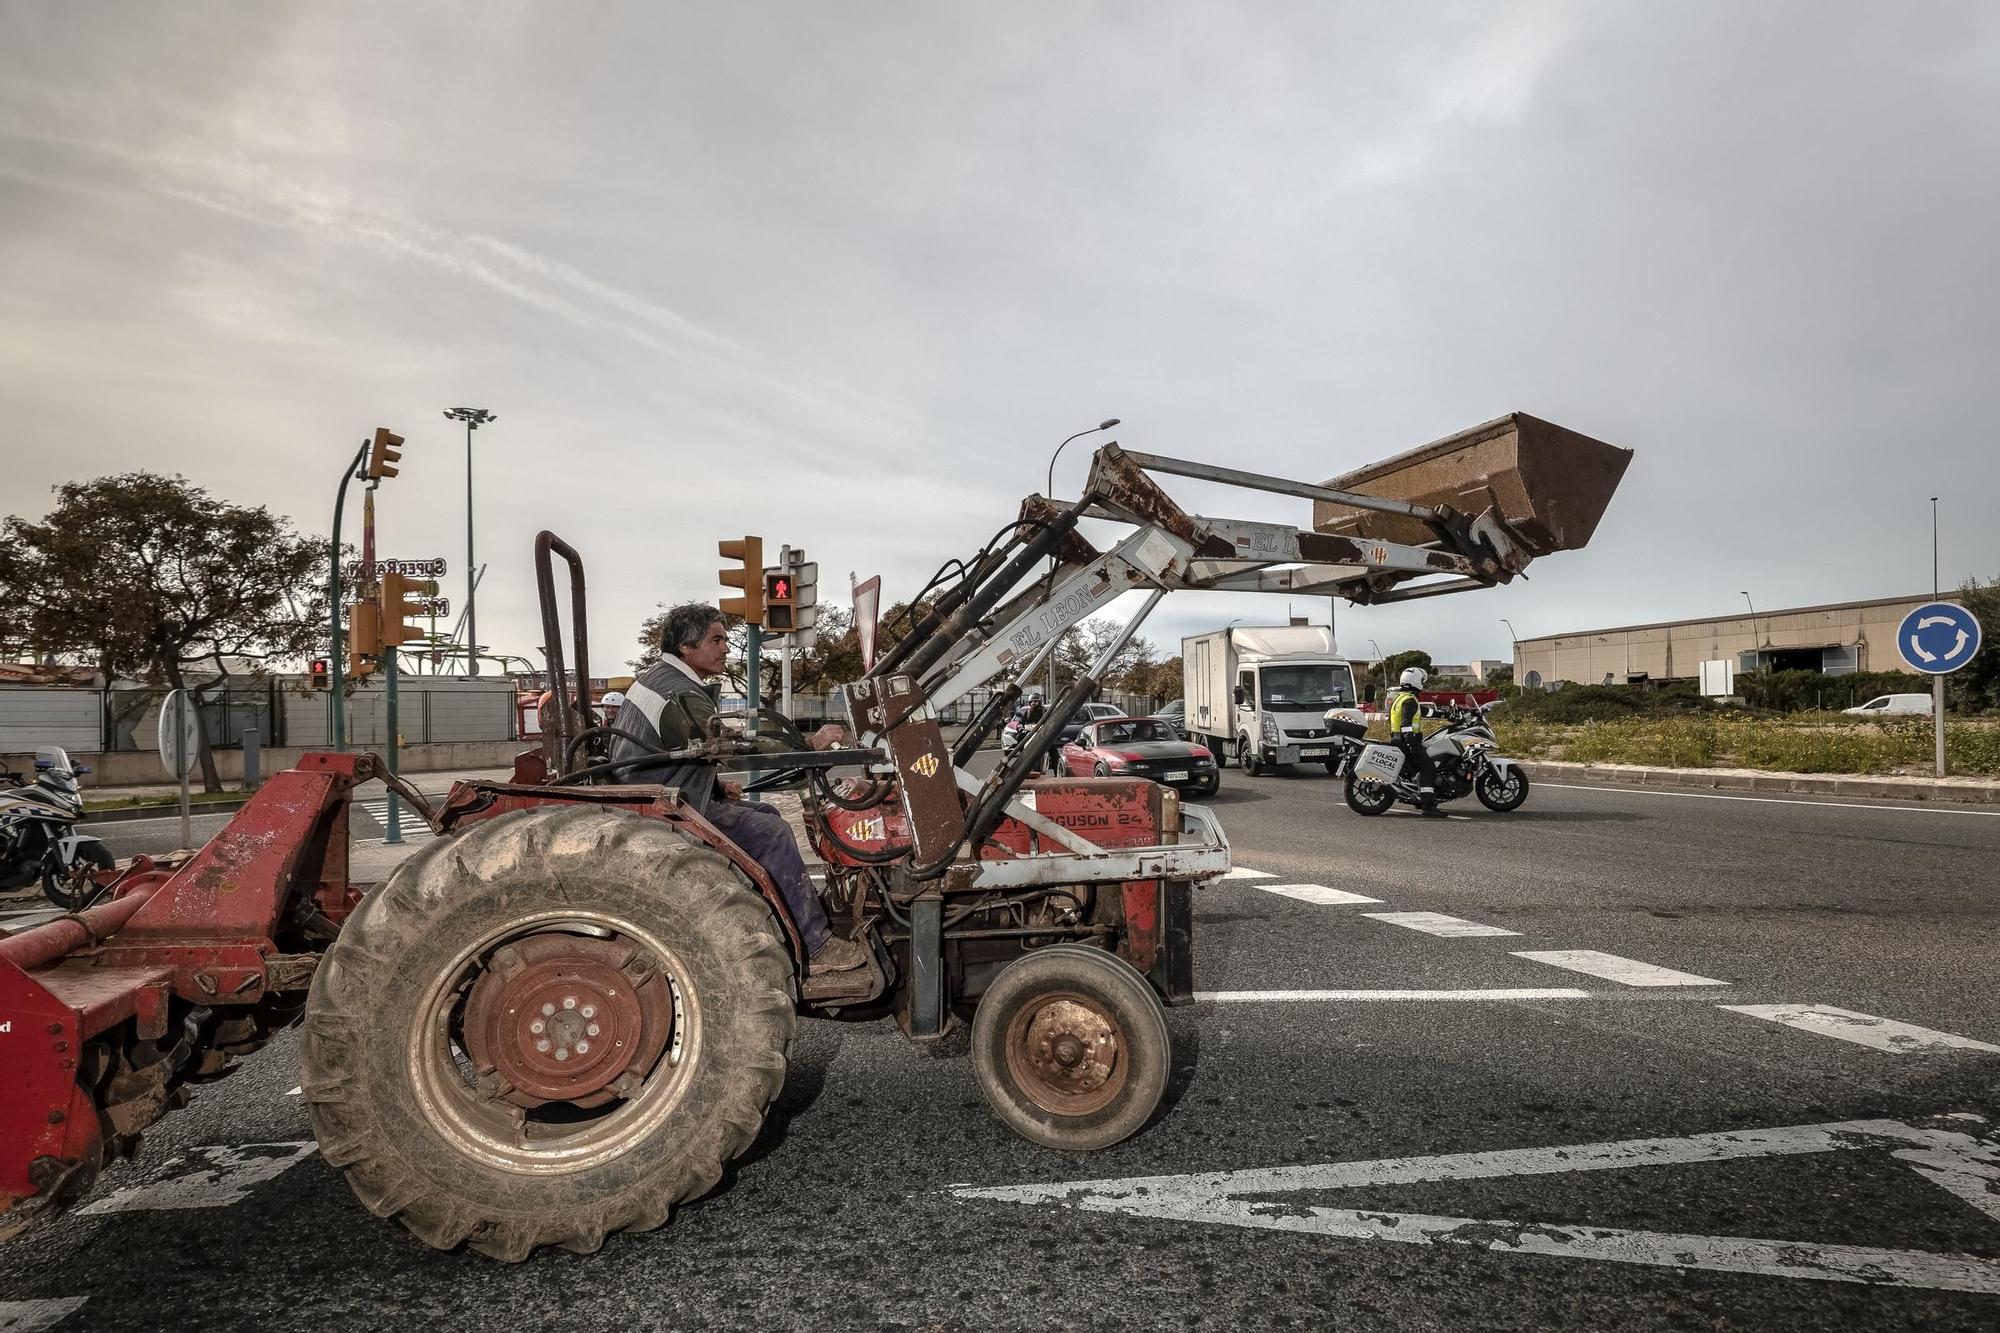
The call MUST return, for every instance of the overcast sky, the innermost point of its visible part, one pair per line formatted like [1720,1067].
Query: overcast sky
[844,275]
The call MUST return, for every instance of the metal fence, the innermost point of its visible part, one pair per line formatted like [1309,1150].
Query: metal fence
[284,711]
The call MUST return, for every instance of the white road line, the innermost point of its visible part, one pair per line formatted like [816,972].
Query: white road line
[294,1092]
[1245,872]
[1231,1198]
[1316,893]
[209,1177]
[1917,808]
[1883,1034]
[1341,996]
[34,1316]
[1611,967]
[1437,923]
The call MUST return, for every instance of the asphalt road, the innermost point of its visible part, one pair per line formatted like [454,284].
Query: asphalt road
[883,1195]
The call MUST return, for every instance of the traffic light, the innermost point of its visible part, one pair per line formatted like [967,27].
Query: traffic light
[364,638]
[322,673]
[384,454]
[778,601]
[402,601]
[805,596]
[749,555]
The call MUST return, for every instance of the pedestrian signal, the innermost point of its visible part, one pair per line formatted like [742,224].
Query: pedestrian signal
[778,584]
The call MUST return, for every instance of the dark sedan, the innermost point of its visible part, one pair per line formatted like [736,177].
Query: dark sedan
[1141,747]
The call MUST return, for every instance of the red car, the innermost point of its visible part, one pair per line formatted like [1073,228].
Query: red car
[1142,747]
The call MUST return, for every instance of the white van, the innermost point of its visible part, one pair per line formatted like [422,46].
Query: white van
[1888,705]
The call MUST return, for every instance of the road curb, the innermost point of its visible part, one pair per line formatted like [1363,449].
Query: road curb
[1946,792]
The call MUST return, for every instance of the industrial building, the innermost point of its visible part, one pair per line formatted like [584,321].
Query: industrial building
[1836,639]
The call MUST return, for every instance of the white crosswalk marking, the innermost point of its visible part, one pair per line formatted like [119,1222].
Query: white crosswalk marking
[34,1316]
[1245,872]
[1437,923]
[1883,1034]
[1611,967]
[1316,893]
[1385,996]
[208,1177]
[409,824]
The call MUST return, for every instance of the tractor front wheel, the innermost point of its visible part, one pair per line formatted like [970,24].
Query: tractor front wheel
[1070,1047]
[559,1024]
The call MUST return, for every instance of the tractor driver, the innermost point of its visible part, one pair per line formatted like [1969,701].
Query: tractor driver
[1405,712]
[668,708]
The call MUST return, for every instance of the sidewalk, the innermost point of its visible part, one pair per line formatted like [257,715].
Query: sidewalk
[1976,791]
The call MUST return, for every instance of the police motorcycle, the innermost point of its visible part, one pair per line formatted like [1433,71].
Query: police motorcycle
[38,833]
[1464,752]
[1020,726]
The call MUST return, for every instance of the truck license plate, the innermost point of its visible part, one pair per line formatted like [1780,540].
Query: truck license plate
[1320,752]
[1177,777]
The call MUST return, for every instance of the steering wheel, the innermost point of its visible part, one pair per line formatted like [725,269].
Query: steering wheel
[770,722]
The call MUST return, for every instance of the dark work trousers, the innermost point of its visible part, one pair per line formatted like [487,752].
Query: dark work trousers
[765,836]
[1417,757]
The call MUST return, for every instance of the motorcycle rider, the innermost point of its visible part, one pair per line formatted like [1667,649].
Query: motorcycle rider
[1405,715]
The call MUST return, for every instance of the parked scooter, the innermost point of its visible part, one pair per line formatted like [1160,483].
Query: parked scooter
[38,832]
[1464,751]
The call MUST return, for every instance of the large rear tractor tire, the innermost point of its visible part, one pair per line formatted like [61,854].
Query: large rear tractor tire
[1070,1046]
[559,1024]
[1368,798]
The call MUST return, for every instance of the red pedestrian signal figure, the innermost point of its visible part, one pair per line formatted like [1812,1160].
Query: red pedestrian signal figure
[778,616]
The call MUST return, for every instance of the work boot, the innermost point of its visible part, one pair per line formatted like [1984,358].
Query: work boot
[841,970]
[839,955]
[1429,810]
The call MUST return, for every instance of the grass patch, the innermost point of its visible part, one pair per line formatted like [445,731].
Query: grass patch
[1810,743]
[155,803]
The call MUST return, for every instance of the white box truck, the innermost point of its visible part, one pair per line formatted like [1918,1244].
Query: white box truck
[1260,693]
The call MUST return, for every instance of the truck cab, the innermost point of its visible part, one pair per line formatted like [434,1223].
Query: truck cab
[1260,694]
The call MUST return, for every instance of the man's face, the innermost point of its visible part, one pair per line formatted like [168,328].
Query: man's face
[706,658]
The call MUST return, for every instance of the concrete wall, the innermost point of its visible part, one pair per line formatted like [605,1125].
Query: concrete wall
[1676,651]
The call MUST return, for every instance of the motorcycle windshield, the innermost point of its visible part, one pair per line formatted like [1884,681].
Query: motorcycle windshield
[52,756]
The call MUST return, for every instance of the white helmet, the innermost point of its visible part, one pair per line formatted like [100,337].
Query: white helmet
[1414,677]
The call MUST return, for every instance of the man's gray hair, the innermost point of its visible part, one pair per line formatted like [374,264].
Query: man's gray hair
[686,626]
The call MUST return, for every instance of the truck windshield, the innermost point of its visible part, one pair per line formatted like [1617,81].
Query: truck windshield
[1327,685]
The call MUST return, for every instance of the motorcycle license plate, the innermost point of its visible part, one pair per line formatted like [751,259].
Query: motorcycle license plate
[1319,753]
[1180,776]
[1382,764]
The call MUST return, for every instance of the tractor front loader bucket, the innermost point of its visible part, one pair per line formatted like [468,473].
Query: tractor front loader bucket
[1546,485]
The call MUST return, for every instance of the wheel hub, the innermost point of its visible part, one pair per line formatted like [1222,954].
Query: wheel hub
[1066,1053]
[557,1017]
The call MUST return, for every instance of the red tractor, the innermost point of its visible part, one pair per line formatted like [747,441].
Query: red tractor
[572,1009]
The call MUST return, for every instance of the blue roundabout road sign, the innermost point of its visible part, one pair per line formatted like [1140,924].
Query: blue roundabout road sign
[1937,638]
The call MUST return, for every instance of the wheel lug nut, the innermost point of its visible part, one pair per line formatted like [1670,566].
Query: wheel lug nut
[562,1053]
[537,1026]
[548,1009]
[590,1030]
[542,1045]
[590,1011]
[569,1001]
[583,1048]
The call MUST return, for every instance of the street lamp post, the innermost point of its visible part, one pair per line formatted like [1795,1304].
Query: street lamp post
[1515,636]
[474,418]
[1054,560]
[1756,648]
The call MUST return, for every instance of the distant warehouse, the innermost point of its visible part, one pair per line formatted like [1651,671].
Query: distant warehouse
[1837,640]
